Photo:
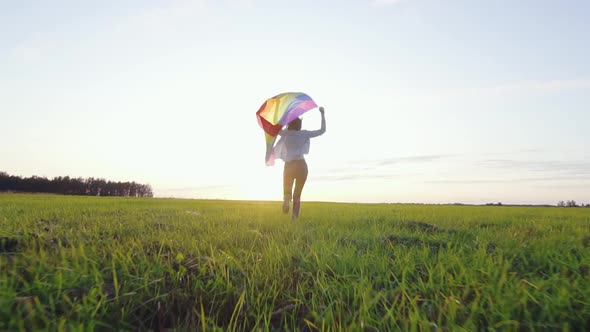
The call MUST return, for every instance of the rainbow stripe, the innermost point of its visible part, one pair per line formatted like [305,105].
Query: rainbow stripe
[279,111]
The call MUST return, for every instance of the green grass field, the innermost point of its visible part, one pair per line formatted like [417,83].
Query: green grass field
[83,263]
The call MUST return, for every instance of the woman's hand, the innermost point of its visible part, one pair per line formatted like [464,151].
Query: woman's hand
[322,110]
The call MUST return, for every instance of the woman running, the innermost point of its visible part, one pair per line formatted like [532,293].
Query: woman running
[294,143]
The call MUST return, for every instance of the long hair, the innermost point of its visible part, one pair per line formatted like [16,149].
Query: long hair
[295,124]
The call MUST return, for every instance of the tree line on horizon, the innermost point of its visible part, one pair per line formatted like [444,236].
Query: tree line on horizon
[571,203]
[66,185]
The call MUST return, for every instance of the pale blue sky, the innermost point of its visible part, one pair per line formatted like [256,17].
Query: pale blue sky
[426,100]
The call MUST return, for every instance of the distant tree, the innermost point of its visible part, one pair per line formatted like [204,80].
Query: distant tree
[561,203]
[571,203]
[4,178]
[148,191]
[66,185]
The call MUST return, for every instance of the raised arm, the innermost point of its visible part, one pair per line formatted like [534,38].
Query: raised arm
[307,133]
[315,133]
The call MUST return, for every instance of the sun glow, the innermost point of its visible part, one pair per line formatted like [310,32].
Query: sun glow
[262,183]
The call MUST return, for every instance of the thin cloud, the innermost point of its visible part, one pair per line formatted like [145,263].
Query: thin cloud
[503,170]
[517,152]
[575,167]
[445,182]
[355,176]
[577,179]
[374,163]
[563,186]
[376,169]
[413,159]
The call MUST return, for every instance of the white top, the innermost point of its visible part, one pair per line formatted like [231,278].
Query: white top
[293,144]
